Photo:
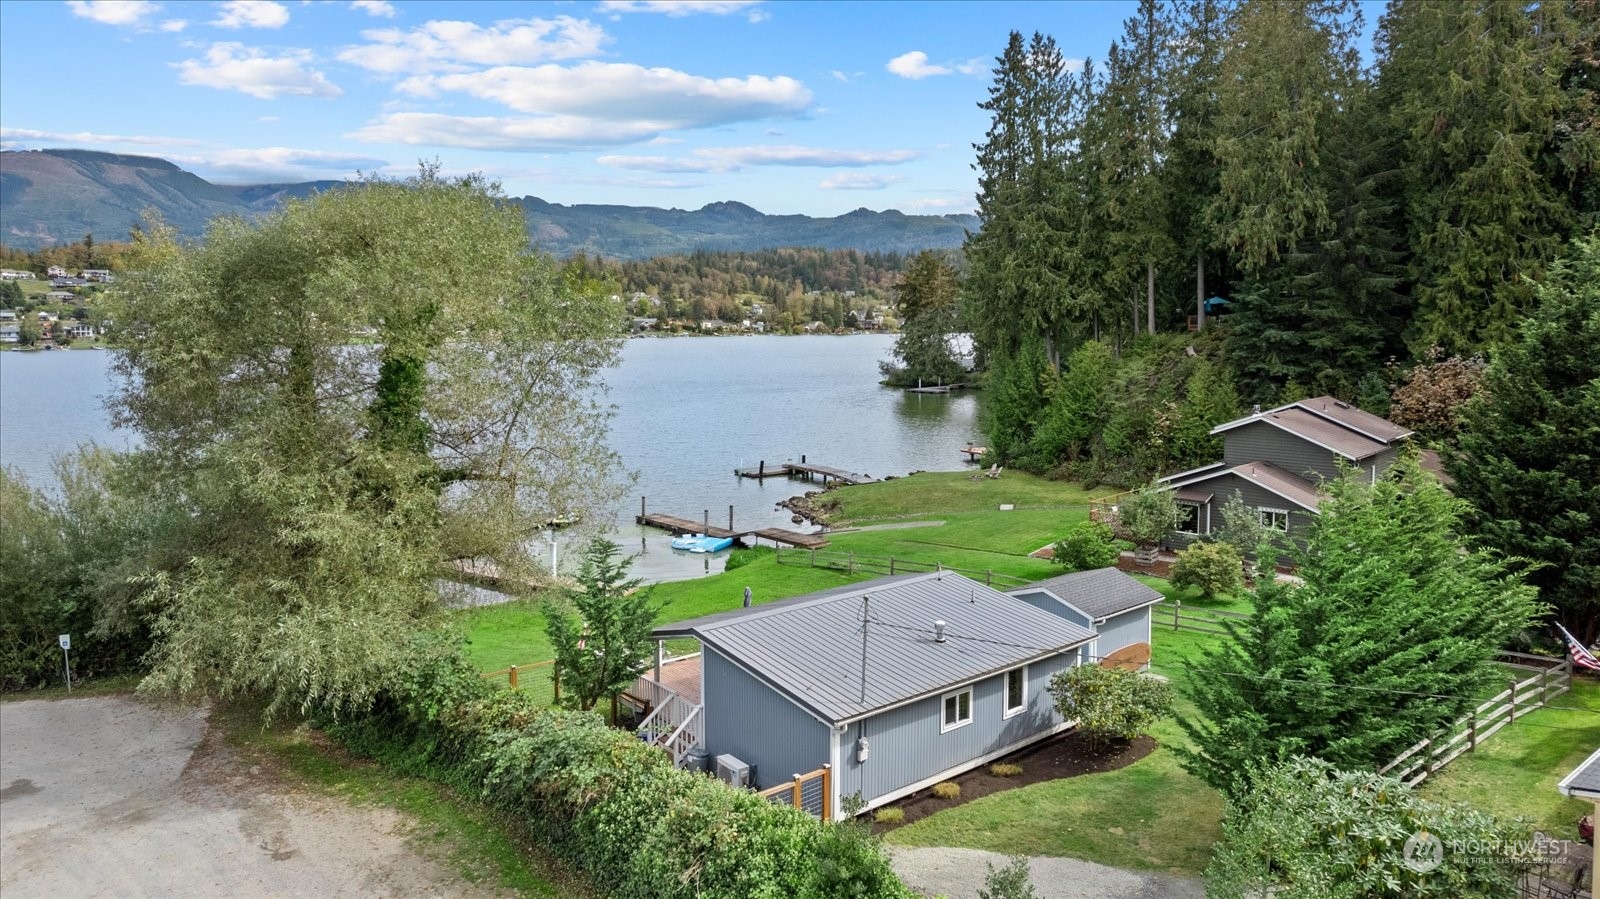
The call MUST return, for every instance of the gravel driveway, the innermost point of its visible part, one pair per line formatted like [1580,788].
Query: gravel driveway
[111,796]
[960,873]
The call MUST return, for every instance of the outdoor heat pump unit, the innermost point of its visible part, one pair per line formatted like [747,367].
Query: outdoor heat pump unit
[732,772]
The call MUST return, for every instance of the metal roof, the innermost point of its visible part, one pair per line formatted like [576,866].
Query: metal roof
[811,648]
[1584,781]
[1099,593]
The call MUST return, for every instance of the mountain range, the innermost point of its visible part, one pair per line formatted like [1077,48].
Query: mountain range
[58,196]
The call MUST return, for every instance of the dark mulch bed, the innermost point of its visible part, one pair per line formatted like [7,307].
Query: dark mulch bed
[1065,755]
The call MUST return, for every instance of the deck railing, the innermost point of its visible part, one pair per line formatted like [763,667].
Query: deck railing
[810,792]
[674,723]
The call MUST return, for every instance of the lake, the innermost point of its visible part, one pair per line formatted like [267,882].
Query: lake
[689,410]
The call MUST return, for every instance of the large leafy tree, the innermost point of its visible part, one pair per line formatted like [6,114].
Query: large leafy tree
[1388,637]
[1528,455]
[328,483]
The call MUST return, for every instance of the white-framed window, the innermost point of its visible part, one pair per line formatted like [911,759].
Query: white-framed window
[957,710]
[1188,518]
[1274,519]
[1016,691]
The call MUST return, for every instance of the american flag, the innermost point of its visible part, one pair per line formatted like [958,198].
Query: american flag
[1581,656]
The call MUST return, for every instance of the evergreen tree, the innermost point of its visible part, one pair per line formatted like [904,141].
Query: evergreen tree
[929,316]
[1190,169]
[1389,636]
[1528,455]
[601,633]
[1475,91]
[1079,405]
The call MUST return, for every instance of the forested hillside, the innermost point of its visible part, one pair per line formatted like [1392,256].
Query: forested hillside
[1354,219]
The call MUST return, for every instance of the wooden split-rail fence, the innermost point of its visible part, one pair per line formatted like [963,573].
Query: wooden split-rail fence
[1550,678]
[809,792]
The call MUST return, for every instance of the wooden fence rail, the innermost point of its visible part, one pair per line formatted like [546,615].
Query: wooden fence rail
[1176,615]
[851,562]
[807,792]
[1551,679]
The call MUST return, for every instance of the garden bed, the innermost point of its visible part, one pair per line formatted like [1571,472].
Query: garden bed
[1065,755]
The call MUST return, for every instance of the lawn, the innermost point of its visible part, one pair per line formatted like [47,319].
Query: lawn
[1515,772]
[936,494]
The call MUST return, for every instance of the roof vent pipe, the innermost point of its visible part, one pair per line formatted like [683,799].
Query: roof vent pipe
[938,632]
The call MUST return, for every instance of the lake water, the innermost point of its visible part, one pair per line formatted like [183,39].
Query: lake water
[688,412]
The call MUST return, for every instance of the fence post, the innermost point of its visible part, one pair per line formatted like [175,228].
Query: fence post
[988,577]
[1472,731]
[1177,606]
[1513,715]
[794,795]
[852,561]
[513,672]
[813,557]
[827,792]
[891,564]
[555,677]
[1544,678]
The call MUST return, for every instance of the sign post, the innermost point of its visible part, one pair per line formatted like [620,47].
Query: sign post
[66,660]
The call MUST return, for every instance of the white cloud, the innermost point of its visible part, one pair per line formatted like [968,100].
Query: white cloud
[174,25]
[252,14]
[977,66]
[456,46]
[30,137]
[915,65]
[733,159]
[943,204]
[624,92]
[1074,66]
[114,12]
[859,181]
[232,66]
[383,9]
[679,8]
[839,76]
[563,132]
[276,164]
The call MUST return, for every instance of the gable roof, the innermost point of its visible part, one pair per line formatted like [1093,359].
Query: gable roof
[1330,423]
[1099,593]
[810,647]
[1268,477]
[1584,781]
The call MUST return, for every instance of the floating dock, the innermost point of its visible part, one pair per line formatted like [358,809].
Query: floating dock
[677,524]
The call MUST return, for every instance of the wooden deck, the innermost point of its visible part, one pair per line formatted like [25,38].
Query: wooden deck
[679,525]
[803,469]
[681,676]
[793,538]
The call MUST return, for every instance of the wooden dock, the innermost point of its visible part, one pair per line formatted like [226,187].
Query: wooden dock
[677,524]
[806,470]
[974,452]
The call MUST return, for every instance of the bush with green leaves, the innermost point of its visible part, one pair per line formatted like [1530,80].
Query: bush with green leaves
[1089,545]
[1009,882]
[1306,830]
[601,631]
[1213,567]
[1110,703]
[608,804]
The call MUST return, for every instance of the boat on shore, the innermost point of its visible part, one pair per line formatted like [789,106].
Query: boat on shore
[700,543]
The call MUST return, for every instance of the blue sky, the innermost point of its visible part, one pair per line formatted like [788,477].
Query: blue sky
[792,107]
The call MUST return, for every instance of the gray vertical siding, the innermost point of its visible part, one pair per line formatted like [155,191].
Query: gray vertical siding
[747,718]
[1123,630]
[1045,602]
[906,745]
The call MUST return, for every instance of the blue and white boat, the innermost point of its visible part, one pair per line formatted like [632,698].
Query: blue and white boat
[700,543]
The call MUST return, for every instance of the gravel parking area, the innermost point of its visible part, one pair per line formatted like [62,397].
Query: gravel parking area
[960,873]
[112,796]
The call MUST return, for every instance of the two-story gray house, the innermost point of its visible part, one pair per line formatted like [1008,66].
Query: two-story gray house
[1277,461]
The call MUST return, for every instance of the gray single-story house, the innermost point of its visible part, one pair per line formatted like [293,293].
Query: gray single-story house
[1110,603]
[896,684]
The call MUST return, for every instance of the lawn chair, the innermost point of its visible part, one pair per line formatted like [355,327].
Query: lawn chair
[994,473]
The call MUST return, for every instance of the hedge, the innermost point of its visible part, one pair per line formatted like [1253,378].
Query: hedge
[604,801]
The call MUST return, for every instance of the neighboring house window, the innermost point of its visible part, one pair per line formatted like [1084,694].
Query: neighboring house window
[1016,691]
[957,710]
[1188,518]
[1274,519]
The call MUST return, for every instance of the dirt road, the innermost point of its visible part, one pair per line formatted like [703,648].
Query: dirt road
[111,796]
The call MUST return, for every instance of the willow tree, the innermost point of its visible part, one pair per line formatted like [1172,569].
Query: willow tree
[350,394]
